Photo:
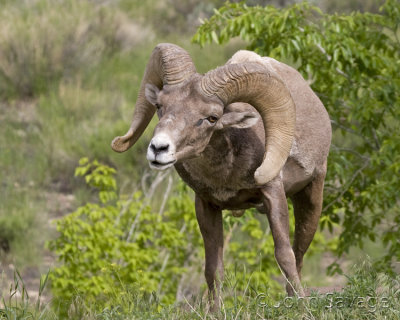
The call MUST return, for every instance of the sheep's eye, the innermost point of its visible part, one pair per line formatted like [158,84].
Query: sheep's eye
[212,119]
[158,106]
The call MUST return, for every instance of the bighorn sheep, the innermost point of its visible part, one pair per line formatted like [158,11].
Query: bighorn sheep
[247,134]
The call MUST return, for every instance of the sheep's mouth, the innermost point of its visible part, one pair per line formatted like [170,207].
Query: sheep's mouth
[161,165]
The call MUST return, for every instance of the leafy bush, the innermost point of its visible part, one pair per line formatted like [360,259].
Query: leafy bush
[44,41]
[352,63]
[120,245]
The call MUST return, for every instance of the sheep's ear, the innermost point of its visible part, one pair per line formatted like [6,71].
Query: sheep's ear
[240,120]
[151,92]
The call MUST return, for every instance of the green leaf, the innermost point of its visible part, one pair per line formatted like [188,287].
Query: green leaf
[214,37]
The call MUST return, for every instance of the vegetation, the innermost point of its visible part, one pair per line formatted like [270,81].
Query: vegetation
[56,109]
[44,98]
[118,244]
[68,36]
[352,63]
[368,295]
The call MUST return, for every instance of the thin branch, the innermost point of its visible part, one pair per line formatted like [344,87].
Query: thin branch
[354,176]
[161,271]
[329,58]
[350,151]
[337,124]
[125,208]
[376,139]
[159,178]
[179,294]
[166,195]
[143,181]
[166,261]
[342,73]
[396,28]
[323,51]
[344,128]
[228,237]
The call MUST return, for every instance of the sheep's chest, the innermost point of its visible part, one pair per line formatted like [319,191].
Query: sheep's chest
[220,189]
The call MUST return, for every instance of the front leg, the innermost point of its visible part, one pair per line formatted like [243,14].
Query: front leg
[210,223]
[278,216]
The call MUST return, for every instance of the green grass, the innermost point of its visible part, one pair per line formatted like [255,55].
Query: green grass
[368,295]
[22,167]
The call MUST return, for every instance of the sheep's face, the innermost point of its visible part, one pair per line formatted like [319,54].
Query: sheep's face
[188,119]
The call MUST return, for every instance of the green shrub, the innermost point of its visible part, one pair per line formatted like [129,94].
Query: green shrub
[44,41]
[120,245]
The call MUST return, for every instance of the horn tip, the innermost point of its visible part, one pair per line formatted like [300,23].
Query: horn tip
[119,145]
[261,177]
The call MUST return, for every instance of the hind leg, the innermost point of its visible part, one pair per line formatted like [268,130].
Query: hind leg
[277,212]
[307,205]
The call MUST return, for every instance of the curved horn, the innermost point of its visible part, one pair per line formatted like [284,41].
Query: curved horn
[262,88]
[168,64]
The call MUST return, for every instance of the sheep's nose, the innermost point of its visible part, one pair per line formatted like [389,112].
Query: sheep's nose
[161,152]
[159,146]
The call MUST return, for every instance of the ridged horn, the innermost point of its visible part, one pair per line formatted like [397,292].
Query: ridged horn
[253,83]
[168,64]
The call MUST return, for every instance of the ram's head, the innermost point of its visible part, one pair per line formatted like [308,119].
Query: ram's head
[191,107]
